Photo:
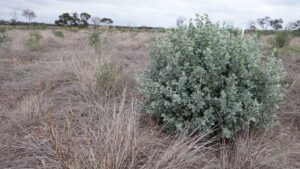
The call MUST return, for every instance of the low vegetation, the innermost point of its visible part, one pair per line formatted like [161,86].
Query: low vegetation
[2,30]
[64,104]
[109,80]
[33,43]
[282,39]
[95,40]
[290,51]
[58,33]
[3,39]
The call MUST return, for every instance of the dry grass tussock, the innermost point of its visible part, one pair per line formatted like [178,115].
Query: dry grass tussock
[64,105]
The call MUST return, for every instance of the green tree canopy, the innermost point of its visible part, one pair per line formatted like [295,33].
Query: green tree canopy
[276,23]
[66,19]
[107,21]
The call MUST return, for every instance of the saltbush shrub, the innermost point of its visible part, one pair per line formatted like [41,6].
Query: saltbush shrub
[2,30]
[58,33]
[95,39]
[203,77]
[282,39]
[33,43]
[3,39]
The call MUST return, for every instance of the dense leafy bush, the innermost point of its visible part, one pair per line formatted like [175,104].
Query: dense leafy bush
[202,76]
[58,34]
[282,39]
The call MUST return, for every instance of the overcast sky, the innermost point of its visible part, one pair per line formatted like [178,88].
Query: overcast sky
[156,12]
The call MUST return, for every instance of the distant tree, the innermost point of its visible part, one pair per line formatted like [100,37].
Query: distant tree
[296,25]
[276,23]
[13,21]
[67,19]
[29,14]
[84,17]
[180,21]
[107,21]
[75,21]
[96,20]
[289,26]
[58,23]
[64,19]
[264,22]
[251,25]
[14,18]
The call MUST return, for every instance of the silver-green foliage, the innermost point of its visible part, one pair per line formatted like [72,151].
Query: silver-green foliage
[58,33]
[282,39]
[202,76]
[95,39]
[3,39]
[33,43]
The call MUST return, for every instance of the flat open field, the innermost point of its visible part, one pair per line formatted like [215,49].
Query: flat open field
[66,103]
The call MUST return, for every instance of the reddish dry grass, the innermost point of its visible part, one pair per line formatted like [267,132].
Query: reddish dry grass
[54,116]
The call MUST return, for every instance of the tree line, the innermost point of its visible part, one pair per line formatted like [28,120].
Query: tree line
[82,20]
[74,19]
[277,24]
[65,19]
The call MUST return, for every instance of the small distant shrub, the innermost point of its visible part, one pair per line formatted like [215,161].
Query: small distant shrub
[73,29]
[287,81]
[258,34]
[58,33]
[2,30]
[282,39]
[38,27]
[108,79]
[292,50]
[33,43]
[296,32]
[3,39]
[95,39]
[203,77]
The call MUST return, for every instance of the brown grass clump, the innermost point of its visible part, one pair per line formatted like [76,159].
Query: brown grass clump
[249,151]
[68,106]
